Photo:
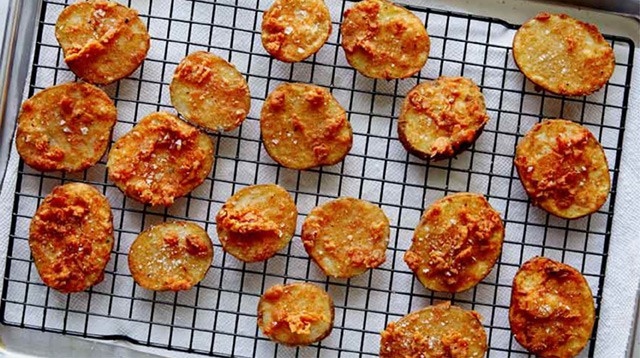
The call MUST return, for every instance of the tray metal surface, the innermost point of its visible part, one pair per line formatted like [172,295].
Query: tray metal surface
[218,316]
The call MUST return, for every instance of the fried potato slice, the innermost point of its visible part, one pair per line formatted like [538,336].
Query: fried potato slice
[71,237]
[210,92]
[293,30]
[171,256]
[160,159]
[456,243]
[346,236]
[102,41]
[257,222]
[296,314]
[563,168]
[435,331]
[303,126]
[552,311]
[65,127]
[384,40]
[441,118]
[563,55]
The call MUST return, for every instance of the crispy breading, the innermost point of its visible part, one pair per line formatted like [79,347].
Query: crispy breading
[210,92]
[303,126]
[346,236]
[171,256]
[552,311]
[384,40]
[160,159]
[441,118]
[563,55]
[257,222]
[102,41]
[456,243]
[65,127]
[293,30]
[71,237]
[439,331]
[563,168]
[296,314]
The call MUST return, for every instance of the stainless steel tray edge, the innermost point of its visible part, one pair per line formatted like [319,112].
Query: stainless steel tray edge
[17,49]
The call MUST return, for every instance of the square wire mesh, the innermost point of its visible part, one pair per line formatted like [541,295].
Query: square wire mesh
[218,316]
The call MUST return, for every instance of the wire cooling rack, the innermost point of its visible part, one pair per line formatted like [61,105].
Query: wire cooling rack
[218,316]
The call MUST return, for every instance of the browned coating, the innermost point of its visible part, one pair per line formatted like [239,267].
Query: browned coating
[296,314]
[441,118]
[563,168]
[383,40]
[552,311]
[293,30]
[303,126]
[563,55]
[346,236]
[257,222]
[210,92]
[440,331]
[171,256]
[71,237]
[456,243]
[160,159]
[102,41]
[65,127]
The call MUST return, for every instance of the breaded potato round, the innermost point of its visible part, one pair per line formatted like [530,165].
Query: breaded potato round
[384,40]
[552,311]
[563,168]
[210,92]
[65,127]
[171,256]
[102,41]
[303,126]
[441,118]
[563,55]
[160,159]
[293,30]
[297,314]
[257,222]
[456,243]
[441,330]
[71,237]
[346,236]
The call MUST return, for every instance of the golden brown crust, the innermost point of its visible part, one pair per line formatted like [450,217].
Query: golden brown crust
[384,40]
[563,168]
[296,314]
[102,41]
[293,30]
[346,236]
[71,237]
[257,222]
[440,331]
[210,92]
[563,55]
[65,127]
[303,126]
[171,256]
[456,243]
[552,311]
[441,118]
[160,159]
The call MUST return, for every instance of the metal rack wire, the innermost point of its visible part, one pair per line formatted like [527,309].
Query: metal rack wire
[218,317]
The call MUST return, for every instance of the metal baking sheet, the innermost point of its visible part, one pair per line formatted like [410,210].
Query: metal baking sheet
[218,316]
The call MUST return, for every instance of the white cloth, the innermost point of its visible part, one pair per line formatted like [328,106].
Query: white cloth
[363,178]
